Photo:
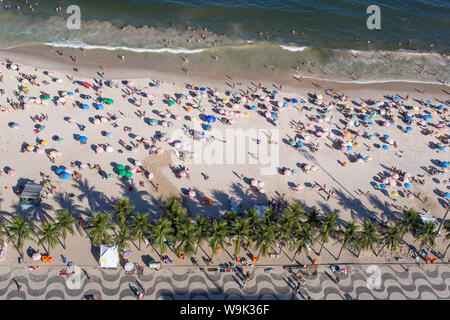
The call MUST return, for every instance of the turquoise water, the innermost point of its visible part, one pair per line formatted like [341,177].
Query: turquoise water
[326,32]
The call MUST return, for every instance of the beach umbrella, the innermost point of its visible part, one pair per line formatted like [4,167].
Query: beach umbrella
[11,172]
[254,108]
[150,176]
[254,182]
[100,106]
[83,139]
[99,149]
[407,185]
[294,100]
[299,143]
[65,176]
[276,122]
[109,149]
[386,136]
[122,172]
[442,148]
[383,186]
[366,117]
[14,125]
[385,147]
[109,134]
[171,102]
[191,193]
[120,167]
[59,170]
[409,118]
[371,137]
[83,165]
[137,163]
[260,184]
[409,129]
[128,174]
[447,194]
[349,148]
[70,120]
[85,107]
[210,119]
[427,117]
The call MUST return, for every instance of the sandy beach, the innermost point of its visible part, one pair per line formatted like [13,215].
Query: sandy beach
[350,190]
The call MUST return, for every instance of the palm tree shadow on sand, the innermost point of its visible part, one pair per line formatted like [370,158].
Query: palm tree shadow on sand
[97,201]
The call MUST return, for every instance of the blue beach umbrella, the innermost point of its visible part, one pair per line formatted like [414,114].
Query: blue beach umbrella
[85,107]
[202,89]
[100,107]
[385,147]
[427,117]
[408,129]
[109,134]
[447,194]
[83,139]
[276,122]
[383,186]
[407,186]
[349,148]
[370,123]
[445,164]
[254,108]
[409,118]
[208,127]
[59,170]
[371,137]
[366,117]
[273,114]
[65,176]
[210,119]
[386,136]
[285,104]
[274,92]
[294,100]
[442,148]
[441,107]
[299,143]
[70,93]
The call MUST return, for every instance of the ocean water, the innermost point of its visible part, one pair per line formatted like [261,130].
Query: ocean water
[331,40]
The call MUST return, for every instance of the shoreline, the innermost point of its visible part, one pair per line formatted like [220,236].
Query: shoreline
[42,57]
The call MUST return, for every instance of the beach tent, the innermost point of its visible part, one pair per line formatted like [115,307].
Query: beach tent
[109,256]
[31,195]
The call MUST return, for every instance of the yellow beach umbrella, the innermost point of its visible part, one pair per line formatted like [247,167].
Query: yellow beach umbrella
[30,147]
[44,142]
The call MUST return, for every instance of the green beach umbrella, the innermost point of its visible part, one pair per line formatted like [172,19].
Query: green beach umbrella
[171,102]
[122,173]
[46,97]
[110,101]
[105,100]
[120,167]
[128,174]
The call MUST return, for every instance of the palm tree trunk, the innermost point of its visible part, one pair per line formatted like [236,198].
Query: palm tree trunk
[340,251]
[381,250]
[321,247]
[446,249]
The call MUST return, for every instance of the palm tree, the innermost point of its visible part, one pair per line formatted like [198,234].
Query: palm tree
[349,235]
[269,217]
[218,234]
[447,235]
[201,230]
[49,234]
[409,221]
[303,237]
[392,237]
[176,213]
[368,236]
[162,232]
[265,239]
[254,218]
[328,229]
[428,235]
[99,227]
[122,210]
[122,238]
[187,243]
[65,224]
[140,227]
[241,232]
[312,218]
[288,224]
[231,218]
[19,231]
